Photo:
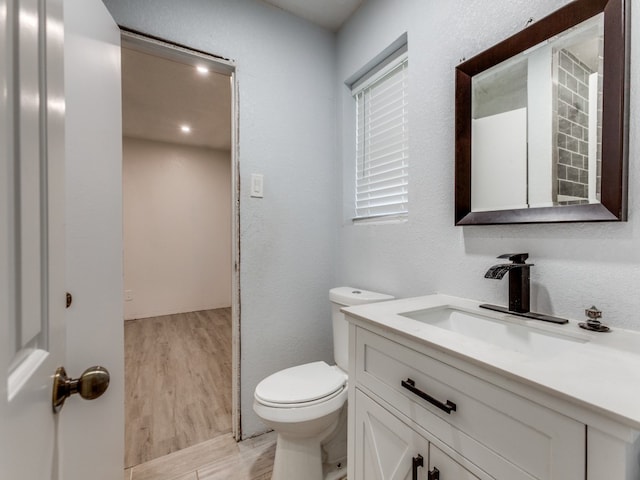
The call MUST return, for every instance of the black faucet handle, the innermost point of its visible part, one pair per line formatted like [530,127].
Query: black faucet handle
[515,257]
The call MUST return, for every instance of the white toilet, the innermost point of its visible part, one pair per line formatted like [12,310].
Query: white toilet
[306,404]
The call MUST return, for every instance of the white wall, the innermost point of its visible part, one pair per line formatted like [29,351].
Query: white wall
[577,265]
[286,72]
[177,228]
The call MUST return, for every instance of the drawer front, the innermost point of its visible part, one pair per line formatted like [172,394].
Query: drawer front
[536,440]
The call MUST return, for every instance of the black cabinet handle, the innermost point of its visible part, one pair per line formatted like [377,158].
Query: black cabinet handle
[434,474]
[417,462]
[447,407]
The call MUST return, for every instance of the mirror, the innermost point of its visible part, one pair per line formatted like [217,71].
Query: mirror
[541,129]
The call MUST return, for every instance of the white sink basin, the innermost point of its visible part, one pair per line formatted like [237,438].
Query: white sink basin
[512,336]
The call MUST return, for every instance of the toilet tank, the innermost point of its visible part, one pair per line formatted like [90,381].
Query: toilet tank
[347,297]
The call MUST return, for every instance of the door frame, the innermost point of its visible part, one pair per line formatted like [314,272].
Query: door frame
[161,48]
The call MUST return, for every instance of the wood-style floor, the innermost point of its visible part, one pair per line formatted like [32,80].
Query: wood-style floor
[218,459]
[177,383]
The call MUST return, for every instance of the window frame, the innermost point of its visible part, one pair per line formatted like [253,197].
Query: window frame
[393,67]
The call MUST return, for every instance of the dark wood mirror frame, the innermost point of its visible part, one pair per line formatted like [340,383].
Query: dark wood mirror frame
[613,201]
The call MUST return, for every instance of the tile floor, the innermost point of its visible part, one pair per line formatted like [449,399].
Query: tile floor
[218,459]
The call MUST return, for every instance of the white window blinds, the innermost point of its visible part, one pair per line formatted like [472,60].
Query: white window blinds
[382,142]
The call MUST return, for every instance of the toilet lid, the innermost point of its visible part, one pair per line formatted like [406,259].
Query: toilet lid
[303,383]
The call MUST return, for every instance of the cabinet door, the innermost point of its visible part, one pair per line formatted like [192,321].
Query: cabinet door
[443,467]
[385,446]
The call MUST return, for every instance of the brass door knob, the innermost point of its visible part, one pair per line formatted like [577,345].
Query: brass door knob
[92,383]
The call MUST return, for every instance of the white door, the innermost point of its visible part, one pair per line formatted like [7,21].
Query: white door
[38,213]
[32,232]
[93,431]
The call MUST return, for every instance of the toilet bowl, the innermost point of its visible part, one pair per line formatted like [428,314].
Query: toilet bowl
[304,416]
[306,405]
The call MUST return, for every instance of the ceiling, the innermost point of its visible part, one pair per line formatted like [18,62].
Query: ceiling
[330,14]
[159,96]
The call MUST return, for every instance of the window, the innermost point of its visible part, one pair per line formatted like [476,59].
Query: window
[382,148]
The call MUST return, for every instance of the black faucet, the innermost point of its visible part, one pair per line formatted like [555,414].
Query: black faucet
[519,287]
[519,274]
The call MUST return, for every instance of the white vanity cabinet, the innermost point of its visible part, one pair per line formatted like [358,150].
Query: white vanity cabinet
[405,399]
[534,402]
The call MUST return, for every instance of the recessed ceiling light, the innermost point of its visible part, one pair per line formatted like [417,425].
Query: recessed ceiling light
[201,69]
[185,128]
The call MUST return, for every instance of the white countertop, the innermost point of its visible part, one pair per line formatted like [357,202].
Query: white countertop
[602,374]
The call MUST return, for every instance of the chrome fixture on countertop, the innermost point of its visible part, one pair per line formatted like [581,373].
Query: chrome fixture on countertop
[593,322]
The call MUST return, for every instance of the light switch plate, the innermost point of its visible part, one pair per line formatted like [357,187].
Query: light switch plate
[257,185]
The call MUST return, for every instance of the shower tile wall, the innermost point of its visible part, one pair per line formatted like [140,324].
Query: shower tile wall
[573,126]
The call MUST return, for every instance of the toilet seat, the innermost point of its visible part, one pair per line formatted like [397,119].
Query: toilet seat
[301,386]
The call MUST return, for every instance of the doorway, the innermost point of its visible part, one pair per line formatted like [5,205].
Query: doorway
[181,249]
